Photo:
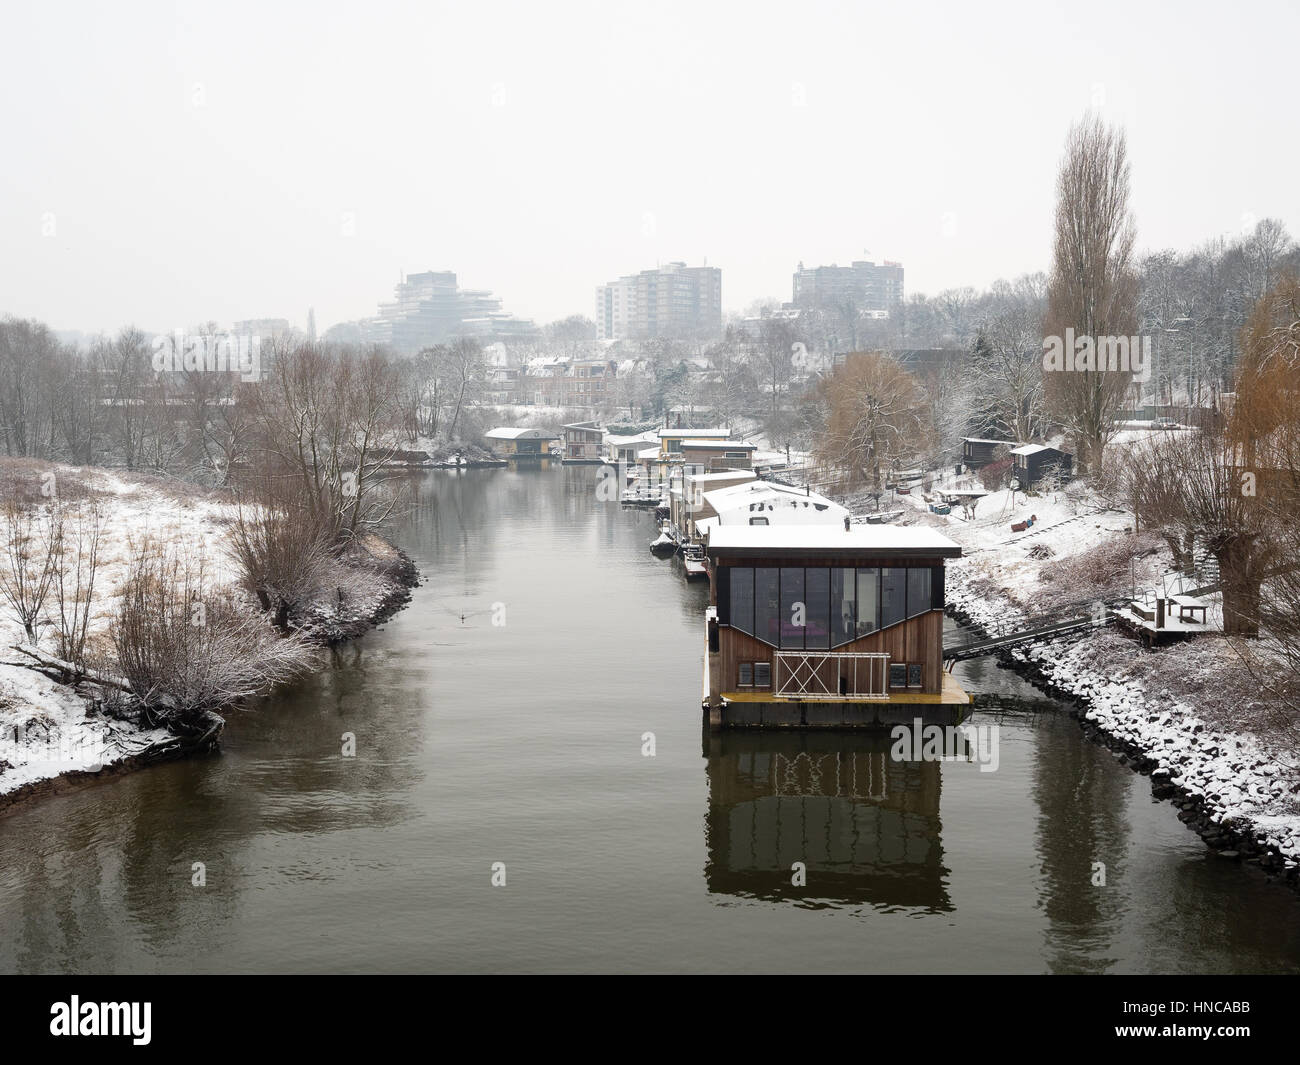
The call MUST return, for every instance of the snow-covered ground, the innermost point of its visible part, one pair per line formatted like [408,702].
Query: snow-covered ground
[45,728]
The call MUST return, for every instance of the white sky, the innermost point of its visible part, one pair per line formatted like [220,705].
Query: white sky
[200,161]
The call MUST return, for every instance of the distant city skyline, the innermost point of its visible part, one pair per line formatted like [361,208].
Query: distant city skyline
[169,166]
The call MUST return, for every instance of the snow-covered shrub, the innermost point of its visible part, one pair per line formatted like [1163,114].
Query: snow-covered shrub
[185,648]
[1103,569]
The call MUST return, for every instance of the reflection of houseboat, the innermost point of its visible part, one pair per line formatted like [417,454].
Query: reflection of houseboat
[696,567]
[866,825]
[825,626]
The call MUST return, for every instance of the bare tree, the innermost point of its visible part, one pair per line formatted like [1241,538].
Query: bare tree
[30,562]
[1092,291]
[876,417]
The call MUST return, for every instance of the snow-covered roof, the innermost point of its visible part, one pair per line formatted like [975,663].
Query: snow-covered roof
[693,434]
[721,475]
[752,489]
[508,432]
[1030,449]
[777,502]
[983,440]
[586,425]
[831,540]
[648,453]
[627,441]
[718,445]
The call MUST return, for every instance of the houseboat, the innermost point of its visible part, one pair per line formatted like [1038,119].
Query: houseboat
[761,503]
[584,444]
[821,626]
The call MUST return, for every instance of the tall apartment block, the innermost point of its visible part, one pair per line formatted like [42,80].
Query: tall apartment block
[871,287]
[674,300]
[431,307]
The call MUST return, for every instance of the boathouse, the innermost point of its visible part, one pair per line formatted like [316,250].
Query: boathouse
[826,626]
[508,442]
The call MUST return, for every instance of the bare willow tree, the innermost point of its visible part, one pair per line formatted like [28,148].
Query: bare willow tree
[1092,290]
[875,414]
[326,423]
[1190,486]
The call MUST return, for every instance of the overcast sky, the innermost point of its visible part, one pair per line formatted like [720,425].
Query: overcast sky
[171,163]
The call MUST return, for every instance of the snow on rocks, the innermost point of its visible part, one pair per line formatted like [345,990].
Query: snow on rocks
[1237,795]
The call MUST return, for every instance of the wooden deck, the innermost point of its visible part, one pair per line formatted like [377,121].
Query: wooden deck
[951,695]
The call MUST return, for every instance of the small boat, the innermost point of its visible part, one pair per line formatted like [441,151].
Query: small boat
[663,545]
[693,559]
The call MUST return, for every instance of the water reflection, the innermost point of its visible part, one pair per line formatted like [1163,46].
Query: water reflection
[866,827]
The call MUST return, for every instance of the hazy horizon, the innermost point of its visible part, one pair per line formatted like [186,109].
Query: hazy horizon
[200,165]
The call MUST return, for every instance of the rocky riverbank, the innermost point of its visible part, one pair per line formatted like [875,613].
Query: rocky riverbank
[1236,796]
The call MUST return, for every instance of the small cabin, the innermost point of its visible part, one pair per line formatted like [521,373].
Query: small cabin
[977,452]
[1034,462]
[508,442]
[584,442]
[627,449]
[825,625]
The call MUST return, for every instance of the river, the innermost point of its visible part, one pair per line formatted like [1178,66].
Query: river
[501,718]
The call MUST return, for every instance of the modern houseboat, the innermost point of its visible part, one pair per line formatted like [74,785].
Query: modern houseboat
[822,626]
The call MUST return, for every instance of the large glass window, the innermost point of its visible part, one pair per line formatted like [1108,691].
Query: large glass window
[918,590]
[893,595]
[742,597]
[794,611]
[817,631]
[868,600]
[767,605]
[843,599]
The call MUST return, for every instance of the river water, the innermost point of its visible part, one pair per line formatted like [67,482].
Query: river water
[501,718]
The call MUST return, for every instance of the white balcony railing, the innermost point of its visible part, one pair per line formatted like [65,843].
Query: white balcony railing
[831,675]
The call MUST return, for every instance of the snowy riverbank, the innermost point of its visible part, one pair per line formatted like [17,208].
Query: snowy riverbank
[53,736]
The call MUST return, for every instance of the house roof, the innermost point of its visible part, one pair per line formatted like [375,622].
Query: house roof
[983,440]
[830,541]
[508,432]
[626,441]
[693,434]
[588,426]
[778,508]
[747,476]
[1031,449]
[718,445]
